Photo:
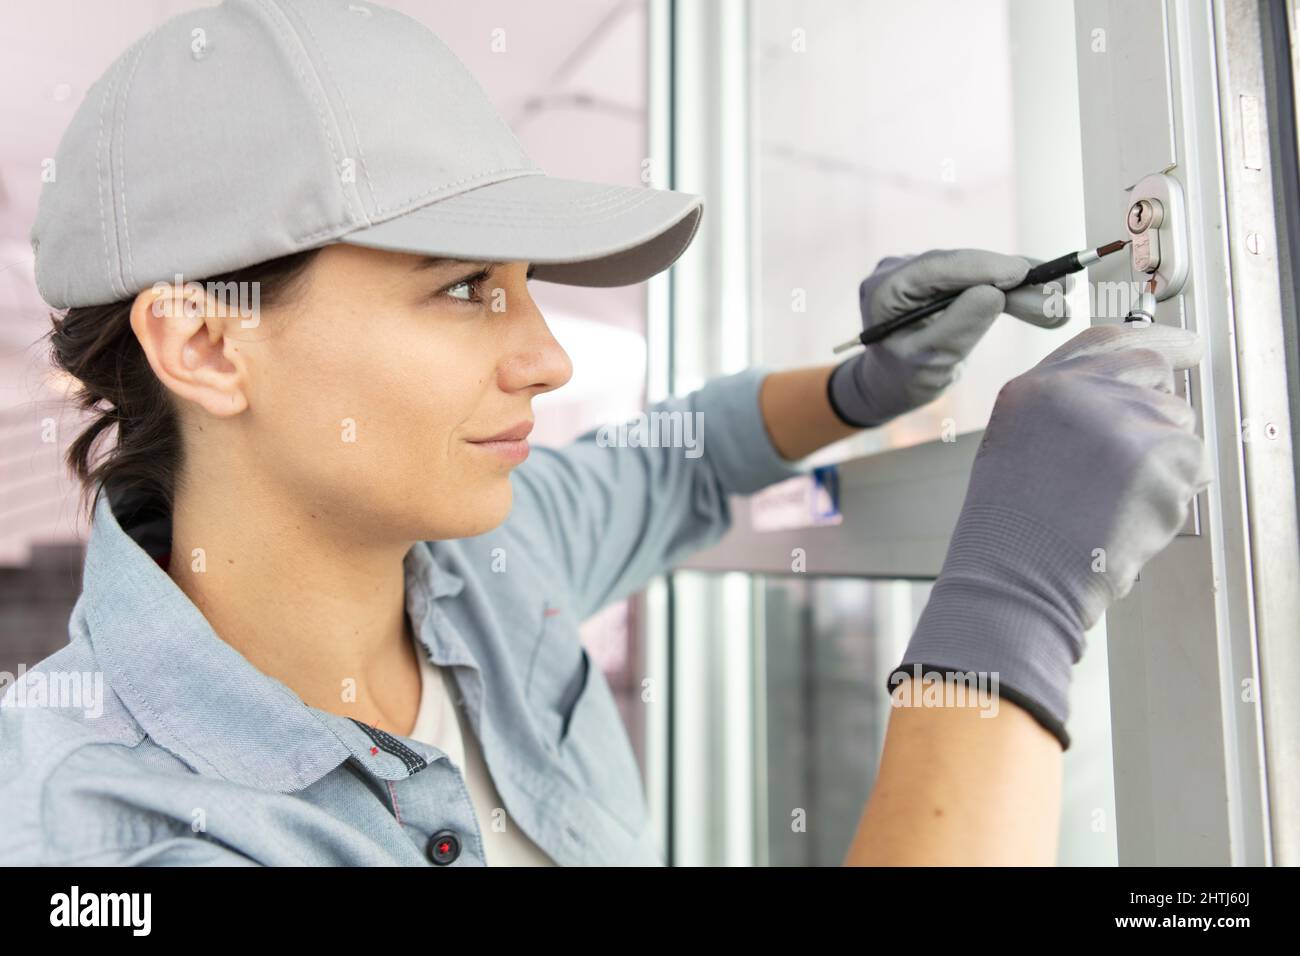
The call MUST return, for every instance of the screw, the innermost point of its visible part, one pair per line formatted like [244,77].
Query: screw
[1254,243]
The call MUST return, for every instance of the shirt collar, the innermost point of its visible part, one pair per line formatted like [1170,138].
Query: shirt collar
[194,694]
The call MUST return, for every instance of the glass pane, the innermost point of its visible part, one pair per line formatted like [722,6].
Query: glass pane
[877,135]
[830,644]
[828,647]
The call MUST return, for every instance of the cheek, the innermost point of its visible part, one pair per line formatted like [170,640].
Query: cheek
[379,425]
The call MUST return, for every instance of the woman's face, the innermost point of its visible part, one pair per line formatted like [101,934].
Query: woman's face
[373,390]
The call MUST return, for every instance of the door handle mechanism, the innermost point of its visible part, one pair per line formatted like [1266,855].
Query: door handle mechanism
[1157,229]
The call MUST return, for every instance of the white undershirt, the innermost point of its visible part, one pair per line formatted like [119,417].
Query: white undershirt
[444,725]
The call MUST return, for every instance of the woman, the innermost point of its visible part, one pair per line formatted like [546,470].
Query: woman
[334,597]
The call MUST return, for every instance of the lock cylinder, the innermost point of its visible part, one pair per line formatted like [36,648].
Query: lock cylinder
[1157,231]
[1144,220]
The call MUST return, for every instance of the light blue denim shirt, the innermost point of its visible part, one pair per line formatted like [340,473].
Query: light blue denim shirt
[190,755]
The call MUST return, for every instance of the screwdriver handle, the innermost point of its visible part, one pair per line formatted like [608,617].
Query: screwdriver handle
[884,329]
[1055,269]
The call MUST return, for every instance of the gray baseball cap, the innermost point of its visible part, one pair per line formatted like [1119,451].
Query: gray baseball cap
[257,128]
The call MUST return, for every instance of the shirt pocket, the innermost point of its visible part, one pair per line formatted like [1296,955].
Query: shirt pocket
[557,676]
[597,753]
[582,726]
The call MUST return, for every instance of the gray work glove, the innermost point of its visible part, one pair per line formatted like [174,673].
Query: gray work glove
[913,365]
[1085,472]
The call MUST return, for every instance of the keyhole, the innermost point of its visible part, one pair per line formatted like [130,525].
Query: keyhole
[1137,221]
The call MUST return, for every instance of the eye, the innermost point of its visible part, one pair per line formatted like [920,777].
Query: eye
[468,289]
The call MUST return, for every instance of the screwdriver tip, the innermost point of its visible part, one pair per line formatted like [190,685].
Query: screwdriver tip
[1110,247]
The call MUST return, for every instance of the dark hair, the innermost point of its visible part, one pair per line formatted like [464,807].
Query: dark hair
[96,345]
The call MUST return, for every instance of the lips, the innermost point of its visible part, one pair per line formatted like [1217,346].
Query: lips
[509,447]
[515,433]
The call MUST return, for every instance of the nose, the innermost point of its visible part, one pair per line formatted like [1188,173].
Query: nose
[534,360]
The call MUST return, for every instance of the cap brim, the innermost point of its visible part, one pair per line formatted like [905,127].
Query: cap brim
[571,231]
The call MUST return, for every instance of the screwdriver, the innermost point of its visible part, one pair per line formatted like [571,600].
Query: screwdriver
[1043,272]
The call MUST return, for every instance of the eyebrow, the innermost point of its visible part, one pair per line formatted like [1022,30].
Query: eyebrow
[428,263]
[432,262]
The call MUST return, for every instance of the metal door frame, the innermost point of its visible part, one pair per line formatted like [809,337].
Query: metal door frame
[1199,645]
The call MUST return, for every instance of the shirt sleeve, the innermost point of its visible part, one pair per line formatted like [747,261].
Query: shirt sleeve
[625,502]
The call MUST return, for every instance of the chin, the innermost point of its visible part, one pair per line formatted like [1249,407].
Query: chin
[476,514]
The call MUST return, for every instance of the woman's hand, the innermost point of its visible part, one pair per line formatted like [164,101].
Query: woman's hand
[1085,473]
[1087,467]
[913,365]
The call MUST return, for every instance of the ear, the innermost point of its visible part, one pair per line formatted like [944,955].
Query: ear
[187,341]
